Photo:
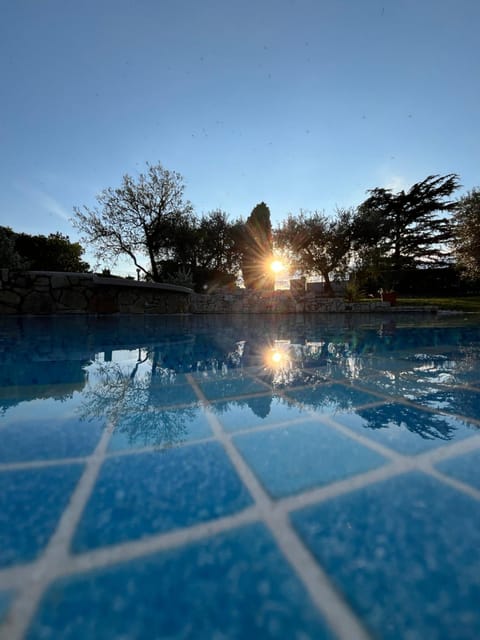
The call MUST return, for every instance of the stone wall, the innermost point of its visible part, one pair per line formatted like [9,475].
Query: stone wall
[47,292]
[242,301]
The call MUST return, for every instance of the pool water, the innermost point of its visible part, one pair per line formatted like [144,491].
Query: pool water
[240,477]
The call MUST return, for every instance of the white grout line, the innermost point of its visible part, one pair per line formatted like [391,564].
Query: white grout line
[452,482]
[57,551]
[15,577]
[330,603]
[32,579]
[347,485]
[40,464]
[124,552]
[332,606]
[449,451]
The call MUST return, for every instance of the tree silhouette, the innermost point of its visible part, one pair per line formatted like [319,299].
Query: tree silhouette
[143,217]
[317,244]
[54,252]
[407,227]
[467,233]
[255,244]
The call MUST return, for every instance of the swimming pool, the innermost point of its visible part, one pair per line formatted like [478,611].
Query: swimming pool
[240,477]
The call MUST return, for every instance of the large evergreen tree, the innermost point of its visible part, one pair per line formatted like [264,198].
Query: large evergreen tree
[255,244]
[409,228]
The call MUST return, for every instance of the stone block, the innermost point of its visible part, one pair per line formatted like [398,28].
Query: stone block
[6,310]
[59,282]
[10,298]
[73,299]
[37,303]
[102,303]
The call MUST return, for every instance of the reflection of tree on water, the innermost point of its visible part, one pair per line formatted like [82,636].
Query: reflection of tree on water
[222,348]
[126,398]
[260,405]
[461,401]
[429,426]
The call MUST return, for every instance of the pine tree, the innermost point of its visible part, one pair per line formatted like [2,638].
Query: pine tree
[409,228]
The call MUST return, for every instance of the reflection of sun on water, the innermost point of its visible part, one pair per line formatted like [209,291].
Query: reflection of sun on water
[276,358]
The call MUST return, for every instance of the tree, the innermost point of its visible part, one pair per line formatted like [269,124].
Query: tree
[143,217]
[9,256]
[467,233]
[54,252]
[406,227]
[216,246]
[206,248]
[255,245]
[317,244]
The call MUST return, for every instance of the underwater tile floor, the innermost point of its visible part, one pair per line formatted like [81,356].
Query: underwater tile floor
[226,504]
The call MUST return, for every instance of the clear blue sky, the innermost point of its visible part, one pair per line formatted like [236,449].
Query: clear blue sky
[299,103]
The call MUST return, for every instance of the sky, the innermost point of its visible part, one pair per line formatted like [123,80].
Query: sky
[302,104]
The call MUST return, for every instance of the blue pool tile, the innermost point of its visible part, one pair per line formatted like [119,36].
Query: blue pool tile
[465,468]
[292,459]
[5,600]
[38,438]
[405,429]
[160,428]
[404,553]
[256,411]
[31,503]
[235,585]
[155,492]
[166,395]
[331,398]
[230,386]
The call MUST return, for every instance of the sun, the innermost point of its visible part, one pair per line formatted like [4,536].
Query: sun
[276,266]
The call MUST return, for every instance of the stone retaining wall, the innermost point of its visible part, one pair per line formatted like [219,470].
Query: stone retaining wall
[243,301]
[48,292]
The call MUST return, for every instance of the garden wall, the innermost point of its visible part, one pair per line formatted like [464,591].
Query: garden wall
[48,292]
[244,301]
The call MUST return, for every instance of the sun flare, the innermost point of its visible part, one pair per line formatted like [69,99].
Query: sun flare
[276,266]
[276,358]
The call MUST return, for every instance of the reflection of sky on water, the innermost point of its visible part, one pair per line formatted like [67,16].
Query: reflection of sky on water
[255,374]
[180,429]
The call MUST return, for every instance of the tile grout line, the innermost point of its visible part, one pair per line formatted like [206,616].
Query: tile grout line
[452,482]
[129,550]
[125,552]
[334,609]
[56,553]
[421,461]
[318,495]
[105,556]
[279,510]
[310,416]
[451,450]
[162,541]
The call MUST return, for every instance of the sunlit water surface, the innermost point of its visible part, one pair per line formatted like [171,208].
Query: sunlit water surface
[239,477]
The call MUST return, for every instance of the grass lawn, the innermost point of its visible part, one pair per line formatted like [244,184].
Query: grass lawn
[468,303]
